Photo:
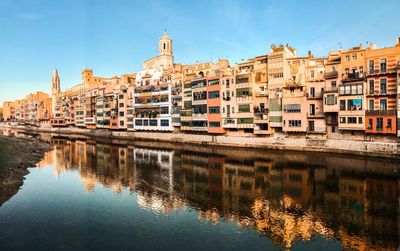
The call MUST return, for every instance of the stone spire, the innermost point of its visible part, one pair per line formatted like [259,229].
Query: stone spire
[55,83]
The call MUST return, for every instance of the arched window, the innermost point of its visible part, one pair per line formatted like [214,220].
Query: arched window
[164,46]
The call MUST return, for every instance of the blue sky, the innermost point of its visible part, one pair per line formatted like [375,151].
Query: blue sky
[115,37]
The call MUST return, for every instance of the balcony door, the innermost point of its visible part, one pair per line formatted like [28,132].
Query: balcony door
[312,109]
[383,104]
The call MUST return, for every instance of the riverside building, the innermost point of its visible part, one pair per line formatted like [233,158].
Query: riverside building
[350,94]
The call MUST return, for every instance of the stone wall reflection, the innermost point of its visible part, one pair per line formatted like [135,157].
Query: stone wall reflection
[286,198]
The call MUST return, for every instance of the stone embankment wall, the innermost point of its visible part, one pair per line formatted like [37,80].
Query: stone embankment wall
[343,146]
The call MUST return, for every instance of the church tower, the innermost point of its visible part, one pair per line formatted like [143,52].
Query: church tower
[165,45]
[165,59]
[55,90]
[55,83]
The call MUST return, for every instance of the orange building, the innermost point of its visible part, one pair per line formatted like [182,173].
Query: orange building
[214,106]
[381,94]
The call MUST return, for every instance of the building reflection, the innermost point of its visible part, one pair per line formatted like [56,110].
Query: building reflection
[285,198]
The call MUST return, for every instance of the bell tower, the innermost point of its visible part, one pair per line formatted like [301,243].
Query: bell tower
[165,45]
[55,83]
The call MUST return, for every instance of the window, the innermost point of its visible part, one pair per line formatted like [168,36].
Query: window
[370,124]
[379,124]
[227,83]
[383,86]
[333,84]
[347,58]
[342,105]
[241,80]
[360,120]
[382,104]
[371,86]
[121,114]
[294,123]
[214,124]
[342,120]
[164,110]
[356,89]
[199,95]
[371,67]
[331,99]
[199,109]
[312,74]
[244,108]
[382,64]
[213,82]
[389,123]
[213,109]
[245,121]
[371,105]
[354,104]
[121,123]
[292,108]
[351,120]
[164,122]
[312,92]
[243,92]
[138,122]
[214,94]
[153,122]
[354,57]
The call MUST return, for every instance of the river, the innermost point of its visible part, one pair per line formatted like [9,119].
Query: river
[113,195]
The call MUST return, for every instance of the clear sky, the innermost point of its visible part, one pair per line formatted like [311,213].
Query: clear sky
[114,37]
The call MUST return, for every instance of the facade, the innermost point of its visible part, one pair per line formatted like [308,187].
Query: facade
[330,95]
[352,93]
[294,101]
[381,92]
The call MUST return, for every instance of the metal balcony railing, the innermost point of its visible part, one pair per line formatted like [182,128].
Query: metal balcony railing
[389,112]
[332,74]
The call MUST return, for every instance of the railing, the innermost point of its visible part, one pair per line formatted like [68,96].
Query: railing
[316,115]
[390,112]
[314,96]
[332,74]
[261,93]
[330,89]
[330,121]
[316,129]
[353,76]
[260,110]
[381,92]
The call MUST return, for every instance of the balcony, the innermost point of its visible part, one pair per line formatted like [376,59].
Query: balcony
[259,110]
[313,129]
[314,95]
[262,94]
[331,89]
[390,112]
[331,121]
[381,93]
[316,115]
[354,76]
[330,75]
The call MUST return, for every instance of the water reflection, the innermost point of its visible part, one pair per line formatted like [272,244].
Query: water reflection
[285,197]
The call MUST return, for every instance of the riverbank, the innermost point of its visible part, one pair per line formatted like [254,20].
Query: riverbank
[302,144]
[16,155]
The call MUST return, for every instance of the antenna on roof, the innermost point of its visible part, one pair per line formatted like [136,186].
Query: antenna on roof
[340,45]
